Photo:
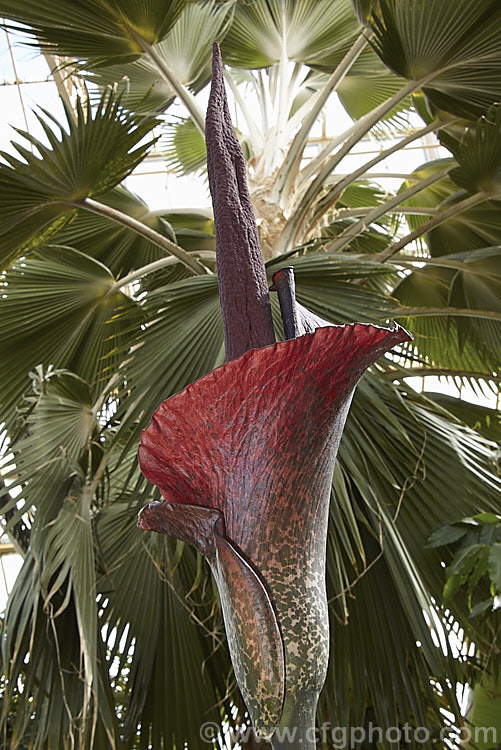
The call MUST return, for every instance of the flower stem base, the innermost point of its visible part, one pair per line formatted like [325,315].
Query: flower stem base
[297,730]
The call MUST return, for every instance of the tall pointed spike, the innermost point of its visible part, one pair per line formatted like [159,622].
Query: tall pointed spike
[242,281]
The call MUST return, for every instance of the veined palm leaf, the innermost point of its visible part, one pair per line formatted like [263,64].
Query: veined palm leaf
[96,29]
[164,633]
[188,47]
[412,473]
[69,167]
[185,150]
[144,90]
[474,228]
[361,193]
[97,151]
[478,288]
[49,457]
[306,31]
[364,8]
[455,44]
[482,419]
[479,155]
[186,50]
[68,562]
[432,196]
[49,685]
[194,232]
[471,228]
[473,282]
[359,94]
[375,650]
[57,309]
[120,249]
[356,200]
[200,221]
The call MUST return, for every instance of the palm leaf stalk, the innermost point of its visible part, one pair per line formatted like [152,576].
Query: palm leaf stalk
[182,92]
[295,152]
[265,539]
[439,218]
[351,232]
[141,229]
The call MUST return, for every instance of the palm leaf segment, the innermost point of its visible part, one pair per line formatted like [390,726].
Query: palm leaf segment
[264,31]
[479,155]
[59,309]
[455,48]
[77,28]
[185,51]
[469,279]
[94,154]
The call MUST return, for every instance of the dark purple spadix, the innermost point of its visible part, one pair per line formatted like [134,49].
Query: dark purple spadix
[243,288]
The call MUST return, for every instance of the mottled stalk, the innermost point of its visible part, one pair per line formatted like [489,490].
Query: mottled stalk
[243,288]
[297,727]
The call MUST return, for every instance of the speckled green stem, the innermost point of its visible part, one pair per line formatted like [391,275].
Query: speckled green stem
[297,727]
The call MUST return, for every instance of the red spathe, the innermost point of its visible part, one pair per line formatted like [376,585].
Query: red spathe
[226,440]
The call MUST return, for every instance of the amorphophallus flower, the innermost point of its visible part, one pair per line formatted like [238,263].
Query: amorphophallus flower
[244,457]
